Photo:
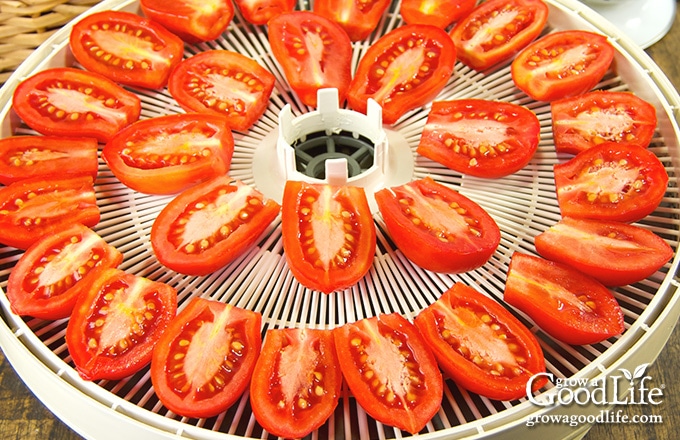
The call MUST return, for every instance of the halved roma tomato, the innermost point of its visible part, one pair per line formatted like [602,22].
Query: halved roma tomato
[116,322]
[440,13]
[224,83]
[562,64]
[64,101]
[613,253]
[314,52]
[204,360]
[328,234]
[358,18]
[168,154]
[261,11]
[207,226]
[296,383]
[438,228]
[496,30]
[126,48]
[567,304]
[480,138]
[42,283]
[480,344]
[36,207]
[23,157]
[405,69]
[193,21]
[611,182]
[390,370]
[600,116]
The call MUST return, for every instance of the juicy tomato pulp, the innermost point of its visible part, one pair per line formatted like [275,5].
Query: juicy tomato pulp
[116,323]
[496,30]
[440,13]
[480,138]
[328,233]
[611,182]
[224,83]
[261,11]
[64,101]
[438,228]
[315,53]
[481,345]
[191,20]
[209,225]
[562,64]
[204,360]
[296,383]
[569,305]
[390,370]
[405,69]
[358,18]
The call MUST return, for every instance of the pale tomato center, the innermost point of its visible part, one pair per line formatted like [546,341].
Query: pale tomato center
[475,132]
[327,227]
[74,256]
[295,368]
[437,215]
[230,90]
[490,29]
[208,349]
[405,67]
[609,124]
[73,101]
[386,361]
[123,310]
[128,47]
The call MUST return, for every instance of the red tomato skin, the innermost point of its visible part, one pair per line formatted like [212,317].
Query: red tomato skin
[531,285]
[259,12]
[358,18]
[187,21]
[613,253]
[441,14]
[29,98]
[464,371]
[291,421]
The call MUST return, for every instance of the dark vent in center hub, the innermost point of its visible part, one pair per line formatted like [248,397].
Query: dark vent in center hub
[312,152]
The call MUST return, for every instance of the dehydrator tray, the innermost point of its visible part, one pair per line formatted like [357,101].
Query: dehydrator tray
[523,205]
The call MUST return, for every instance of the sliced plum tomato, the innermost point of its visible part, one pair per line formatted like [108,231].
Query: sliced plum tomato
[42,283]
[328,234]
[566,303]
[613,253]
[440,13]
[602,116]
[259,12]
[358,18]
[610,182]
[296,383]
[224,83]
[481,138]
[481,345]
[193,21]
[314,52]
[36,207]
[390,370]
[562,64]
[436,227]
[168,154]
[496,30]
[204,360]
[405,69]
[64,101]
[126,48]
[117,321]
[23,157]
[207,226]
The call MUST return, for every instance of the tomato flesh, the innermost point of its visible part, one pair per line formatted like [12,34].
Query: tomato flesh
[358,18]
[193,21]
[259,12]
[440,13]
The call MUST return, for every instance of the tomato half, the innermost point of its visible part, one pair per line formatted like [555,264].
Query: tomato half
[42,281]
[314,52]
[328,234]
[496,30]
[480,344]
[358,18]
[296,383]
[600,116]
[22,157]
[207,226]
[126,48]
[440,13]
[191,20]
[259,12]
[613,253]
[481,138]
[64,101]
[116,322]
[611,182]
[562,64]
[36,207]
[438,228]
[204,360]
[168,154]
[405,69]
[567,304]
[224,83]
[390,370]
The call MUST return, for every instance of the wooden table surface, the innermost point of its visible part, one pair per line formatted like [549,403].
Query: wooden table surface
[23,417]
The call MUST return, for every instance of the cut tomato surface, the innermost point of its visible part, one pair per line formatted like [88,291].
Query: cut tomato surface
[259,12]
[193,21]
[358,18]
[440,13]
